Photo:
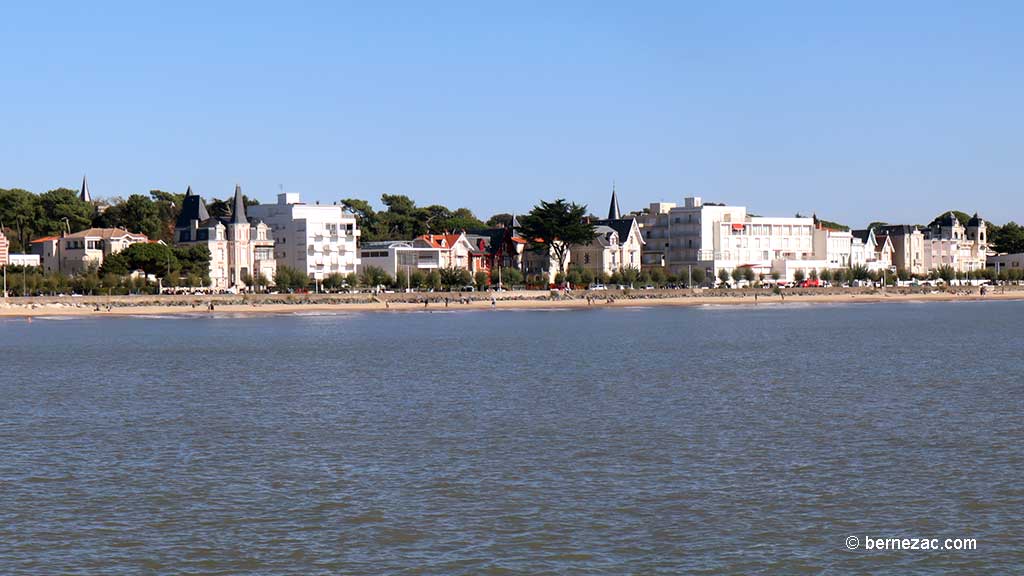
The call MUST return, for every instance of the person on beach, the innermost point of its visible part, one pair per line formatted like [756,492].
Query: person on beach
[494,301]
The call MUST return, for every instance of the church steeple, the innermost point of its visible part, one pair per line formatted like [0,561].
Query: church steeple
[613,208]
[238,207]
[84,195]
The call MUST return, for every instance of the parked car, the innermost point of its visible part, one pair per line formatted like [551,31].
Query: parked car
[597,287]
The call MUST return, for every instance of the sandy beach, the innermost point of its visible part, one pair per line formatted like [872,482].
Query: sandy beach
[288,304]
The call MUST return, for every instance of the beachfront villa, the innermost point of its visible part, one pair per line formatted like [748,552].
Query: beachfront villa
[77,253]
[240,247]
[317,239]
[617,246]
[908,245]
[500,247]
[949,243]
[5,247]
[476,251]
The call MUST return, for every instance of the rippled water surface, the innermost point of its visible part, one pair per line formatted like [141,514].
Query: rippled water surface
[665,440]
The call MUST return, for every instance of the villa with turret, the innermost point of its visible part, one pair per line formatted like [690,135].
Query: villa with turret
[241,248]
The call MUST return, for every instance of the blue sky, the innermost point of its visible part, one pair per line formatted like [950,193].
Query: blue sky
[857,110]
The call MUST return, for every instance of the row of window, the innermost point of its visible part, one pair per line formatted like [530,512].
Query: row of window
[768,230]
[87,244]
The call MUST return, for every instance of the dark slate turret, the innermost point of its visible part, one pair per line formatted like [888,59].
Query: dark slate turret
[238,208]
[84,195]
[192,208]
[613,208]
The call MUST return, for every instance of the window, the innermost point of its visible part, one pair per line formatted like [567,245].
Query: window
[185,236]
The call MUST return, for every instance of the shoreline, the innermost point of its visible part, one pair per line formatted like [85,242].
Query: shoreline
[192,306]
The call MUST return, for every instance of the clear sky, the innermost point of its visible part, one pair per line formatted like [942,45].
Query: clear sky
[858,110]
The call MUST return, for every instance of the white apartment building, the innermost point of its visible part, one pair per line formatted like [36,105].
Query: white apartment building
[716,237]
[319,240]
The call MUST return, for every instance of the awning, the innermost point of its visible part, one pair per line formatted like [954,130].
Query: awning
[737,226]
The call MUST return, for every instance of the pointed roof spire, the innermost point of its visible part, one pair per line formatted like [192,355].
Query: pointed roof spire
[188,192]
[613,208]
[84,195]
[515,222]
[238,207]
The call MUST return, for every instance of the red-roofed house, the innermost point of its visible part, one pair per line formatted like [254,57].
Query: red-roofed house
[454,250]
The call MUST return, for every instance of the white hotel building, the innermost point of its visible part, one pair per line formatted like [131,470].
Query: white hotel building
[714,236]
[319,240]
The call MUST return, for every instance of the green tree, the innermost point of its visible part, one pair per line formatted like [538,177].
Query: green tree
[115,265]
[373,277]
[136,214]
[963,217]
[748,274]
[480,279]
[946,273]
[1008,238]
[195,261]
[156,259]
[334,282]
[799,276]
[698,276]
[18,209]
[418,280]
[433,280]
[814,274]
[658,276]
[366,218]
[723,276]
[629,276]
[554,227]
[507,276]
[499,220]
[737,274]
[287,278]
[57,205]
[455,278]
